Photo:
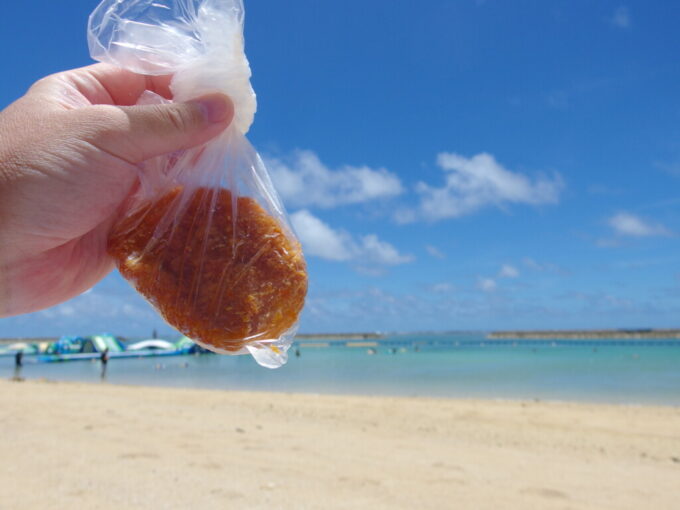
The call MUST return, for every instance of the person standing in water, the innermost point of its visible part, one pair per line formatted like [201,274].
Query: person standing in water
[104,358]
[18,363]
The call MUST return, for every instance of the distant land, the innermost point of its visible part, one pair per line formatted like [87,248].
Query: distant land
[300,337]
[584,334]
[27,340]
[543,334]
[339,336]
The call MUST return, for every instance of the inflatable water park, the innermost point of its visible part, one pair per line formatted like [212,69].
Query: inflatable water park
[80,348]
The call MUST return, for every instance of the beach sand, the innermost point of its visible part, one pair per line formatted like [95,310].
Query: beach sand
[67,445]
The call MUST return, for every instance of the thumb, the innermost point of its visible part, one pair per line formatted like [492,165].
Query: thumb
[137,133]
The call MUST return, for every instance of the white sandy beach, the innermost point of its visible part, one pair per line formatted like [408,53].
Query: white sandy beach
[100,446]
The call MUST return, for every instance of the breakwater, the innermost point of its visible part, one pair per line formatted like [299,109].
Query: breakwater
[338,336]
[586,334]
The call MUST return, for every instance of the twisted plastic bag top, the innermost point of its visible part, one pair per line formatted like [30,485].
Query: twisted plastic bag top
[200,42]
[204,238]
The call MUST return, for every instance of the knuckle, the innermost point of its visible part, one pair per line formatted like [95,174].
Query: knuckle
[104,126]
[45,82]
[180,119]
[105,120]
[56,79]
[42,82]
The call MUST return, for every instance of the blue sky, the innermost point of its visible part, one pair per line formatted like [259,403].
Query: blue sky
[448,164]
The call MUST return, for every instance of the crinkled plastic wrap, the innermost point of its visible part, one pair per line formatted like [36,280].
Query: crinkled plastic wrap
[204,238]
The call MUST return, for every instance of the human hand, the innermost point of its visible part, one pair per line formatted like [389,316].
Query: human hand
[70,151]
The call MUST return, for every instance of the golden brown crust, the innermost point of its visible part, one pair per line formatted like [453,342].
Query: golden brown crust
[219,281]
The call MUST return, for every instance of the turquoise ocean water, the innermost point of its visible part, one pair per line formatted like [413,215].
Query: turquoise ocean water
[453,365]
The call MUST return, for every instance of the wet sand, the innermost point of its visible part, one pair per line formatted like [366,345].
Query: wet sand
[70,445]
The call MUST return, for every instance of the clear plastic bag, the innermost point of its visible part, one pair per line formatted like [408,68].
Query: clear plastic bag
[205,238]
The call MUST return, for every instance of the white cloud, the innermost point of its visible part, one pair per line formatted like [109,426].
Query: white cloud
[621,17]
[532,264]
[321,240]
[608,243]
[627,224]
[62,310]
[441,288]
[543,267]
[381,252]
[304,181]
[98,309]
[486,284]
[477,182]
[405,215]
[672,168]
[435,252]
[508,271]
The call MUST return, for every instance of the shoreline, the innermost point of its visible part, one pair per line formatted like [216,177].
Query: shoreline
[435,398]
[268,393]
[112,446]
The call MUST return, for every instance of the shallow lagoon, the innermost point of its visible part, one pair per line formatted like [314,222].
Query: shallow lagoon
[417,365]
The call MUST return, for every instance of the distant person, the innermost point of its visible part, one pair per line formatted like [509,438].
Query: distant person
[155,334]
[104,358]
[18,363]
[70,153]
[297,353]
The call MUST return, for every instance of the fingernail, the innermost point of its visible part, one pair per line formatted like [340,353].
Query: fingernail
[216,107]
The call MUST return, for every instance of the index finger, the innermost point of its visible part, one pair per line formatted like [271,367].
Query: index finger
[108,84]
